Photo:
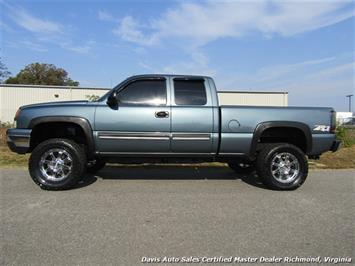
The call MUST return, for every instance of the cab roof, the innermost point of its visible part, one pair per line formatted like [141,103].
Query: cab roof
[167,75]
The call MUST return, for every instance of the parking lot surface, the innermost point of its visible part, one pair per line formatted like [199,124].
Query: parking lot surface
[124,214]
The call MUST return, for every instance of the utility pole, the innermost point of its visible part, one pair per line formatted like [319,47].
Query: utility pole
[349,96]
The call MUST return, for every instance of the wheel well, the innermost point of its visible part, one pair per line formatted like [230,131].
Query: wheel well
[290,135]
[48,130]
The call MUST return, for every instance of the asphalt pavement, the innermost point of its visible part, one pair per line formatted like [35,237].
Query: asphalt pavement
[125,215]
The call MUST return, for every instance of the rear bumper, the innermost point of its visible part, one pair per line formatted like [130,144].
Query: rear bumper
[18,140]
[323,143]
[335,146]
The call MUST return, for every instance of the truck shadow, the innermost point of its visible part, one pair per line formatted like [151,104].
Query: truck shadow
[154,172]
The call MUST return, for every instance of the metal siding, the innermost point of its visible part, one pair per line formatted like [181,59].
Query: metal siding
[82,94]
[12,97]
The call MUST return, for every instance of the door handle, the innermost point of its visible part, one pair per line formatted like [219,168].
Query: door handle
[162,114]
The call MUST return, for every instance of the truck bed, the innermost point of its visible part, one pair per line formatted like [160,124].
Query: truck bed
[238,124]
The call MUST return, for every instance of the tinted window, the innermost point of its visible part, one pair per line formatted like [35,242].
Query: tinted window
[190,92]
[152,92]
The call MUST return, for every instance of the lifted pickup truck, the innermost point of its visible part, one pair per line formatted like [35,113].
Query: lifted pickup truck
[169,118]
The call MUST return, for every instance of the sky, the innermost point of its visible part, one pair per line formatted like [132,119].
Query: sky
[303,47]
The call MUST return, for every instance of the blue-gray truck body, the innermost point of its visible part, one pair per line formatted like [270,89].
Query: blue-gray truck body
[172,130]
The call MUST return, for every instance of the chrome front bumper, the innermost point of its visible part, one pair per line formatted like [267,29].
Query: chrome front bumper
[18,140]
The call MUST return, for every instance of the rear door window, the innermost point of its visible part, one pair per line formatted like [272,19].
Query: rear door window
[190,92]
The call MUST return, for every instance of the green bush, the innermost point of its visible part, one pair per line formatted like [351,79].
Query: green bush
[346,135]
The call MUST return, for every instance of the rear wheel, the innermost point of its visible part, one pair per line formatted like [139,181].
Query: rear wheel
[57,164]
[282,166]
[243,167]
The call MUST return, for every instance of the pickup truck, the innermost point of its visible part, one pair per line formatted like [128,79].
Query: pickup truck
[169,118]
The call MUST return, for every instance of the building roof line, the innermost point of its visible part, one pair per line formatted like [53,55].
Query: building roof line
[52,87]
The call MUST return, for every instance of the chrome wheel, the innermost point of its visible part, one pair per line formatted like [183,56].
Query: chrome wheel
[56,164]
[285,167]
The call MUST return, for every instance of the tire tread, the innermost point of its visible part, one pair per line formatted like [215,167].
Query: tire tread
[79,152]
[263,167]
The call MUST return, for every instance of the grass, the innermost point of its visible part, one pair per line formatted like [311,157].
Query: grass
[10,159]
[346,135]
[2,136]
[344,158]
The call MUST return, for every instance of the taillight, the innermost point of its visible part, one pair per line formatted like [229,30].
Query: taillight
[333,122]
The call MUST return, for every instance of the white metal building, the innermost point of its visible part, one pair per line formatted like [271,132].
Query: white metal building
[14,96]
[344,118]
[256,98]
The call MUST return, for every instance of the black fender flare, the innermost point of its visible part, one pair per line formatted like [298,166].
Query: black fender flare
[260,128]
[80,121]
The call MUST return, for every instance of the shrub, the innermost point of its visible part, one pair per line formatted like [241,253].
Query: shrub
[346,135]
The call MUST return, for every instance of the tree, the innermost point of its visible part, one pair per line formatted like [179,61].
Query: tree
[4,73]
[42,74]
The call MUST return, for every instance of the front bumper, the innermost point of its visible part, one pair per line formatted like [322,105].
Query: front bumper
[335,146]
[18,140]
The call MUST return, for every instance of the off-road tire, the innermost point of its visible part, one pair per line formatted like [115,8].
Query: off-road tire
[77,169]
[264,162]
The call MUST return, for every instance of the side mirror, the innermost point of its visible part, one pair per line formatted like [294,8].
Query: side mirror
[112,99]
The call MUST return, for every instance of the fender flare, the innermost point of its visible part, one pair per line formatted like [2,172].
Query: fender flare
[260,128]
[80,121]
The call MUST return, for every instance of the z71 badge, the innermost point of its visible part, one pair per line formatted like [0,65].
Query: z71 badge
[322,128]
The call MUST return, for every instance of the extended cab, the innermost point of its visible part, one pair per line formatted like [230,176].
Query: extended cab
[169,118]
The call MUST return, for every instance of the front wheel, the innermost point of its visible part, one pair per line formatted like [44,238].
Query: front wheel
[57,164]
[282,166]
